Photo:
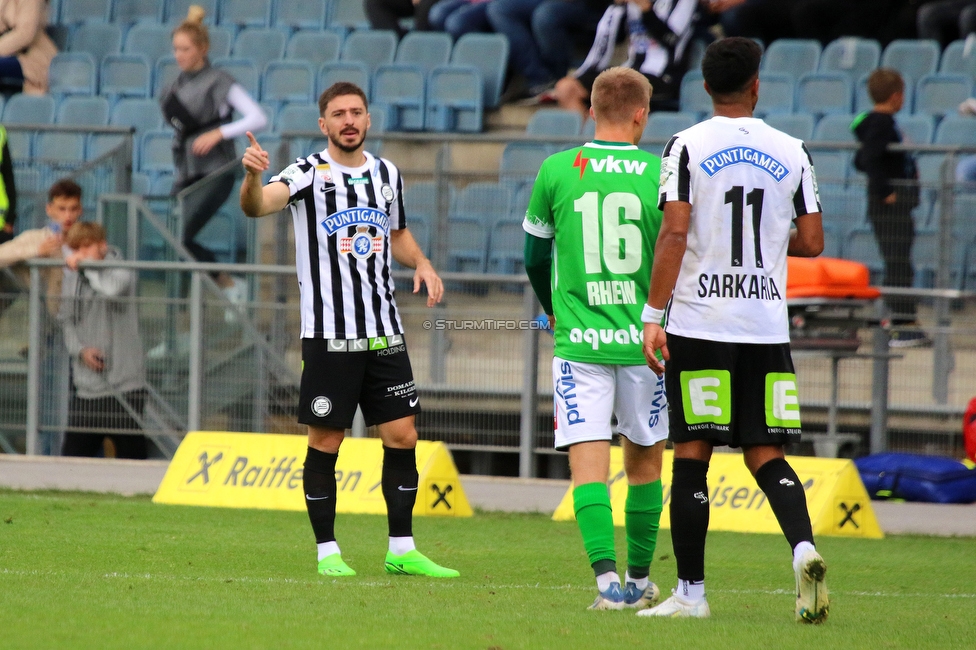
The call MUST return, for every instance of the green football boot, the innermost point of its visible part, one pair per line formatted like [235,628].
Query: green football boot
[414,563]
[332,565]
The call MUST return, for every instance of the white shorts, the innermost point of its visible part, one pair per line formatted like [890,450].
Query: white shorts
[587,394]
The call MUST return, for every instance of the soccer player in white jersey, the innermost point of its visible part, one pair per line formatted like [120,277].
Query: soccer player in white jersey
[349,225]
[590,228]
[738,196]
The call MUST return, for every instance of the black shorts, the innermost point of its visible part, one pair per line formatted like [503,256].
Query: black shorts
[736,394]
[337,376]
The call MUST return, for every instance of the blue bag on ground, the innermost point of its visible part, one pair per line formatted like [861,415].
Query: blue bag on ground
[911,477]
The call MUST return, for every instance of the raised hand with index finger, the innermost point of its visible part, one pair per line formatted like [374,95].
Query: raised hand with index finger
[256,160]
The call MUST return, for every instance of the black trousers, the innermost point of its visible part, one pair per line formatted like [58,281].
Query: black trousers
[386,14]
[99,416]
[200,209]
[895,234]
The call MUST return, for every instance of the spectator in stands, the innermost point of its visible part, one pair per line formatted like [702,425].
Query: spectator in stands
[386,14]
[541,36]
[892,194]
[25,48]
[659,38]
[8,191]
[101,332]
[460,17]
[966,169]
[199,105]
[946,20]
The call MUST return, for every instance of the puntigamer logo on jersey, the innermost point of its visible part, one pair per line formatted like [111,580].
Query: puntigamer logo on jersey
[360,244]
[744,155]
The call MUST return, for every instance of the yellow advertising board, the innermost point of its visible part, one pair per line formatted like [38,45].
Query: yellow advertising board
[249,470]
[838,503]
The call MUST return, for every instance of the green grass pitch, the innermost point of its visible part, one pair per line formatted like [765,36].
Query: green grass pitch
[90,571]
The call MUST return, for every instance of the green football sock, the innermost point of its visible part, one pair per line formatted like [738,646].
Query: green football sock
[591,501]
[642,514]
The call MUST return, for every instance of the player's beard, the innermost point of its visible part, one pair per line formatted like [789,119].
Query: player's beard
[336,139]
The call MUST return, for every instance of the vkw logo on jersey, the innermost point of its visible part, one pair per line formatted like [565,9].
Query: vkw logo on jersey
[747,156]
[362,244]
[609,165]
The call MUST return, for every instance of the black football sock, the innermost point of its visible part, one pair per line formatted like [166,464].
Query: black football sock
[786,497]
[399,481]
[689,517]
[318,479]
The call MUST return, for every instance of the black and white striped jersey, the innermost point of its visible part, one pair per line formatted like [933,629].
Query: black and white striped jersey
[746,183]
[343,217]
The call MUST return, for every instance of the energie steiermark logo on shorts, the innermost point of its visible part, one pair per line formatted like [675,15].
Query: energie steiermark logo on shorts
[706,396]
[782,401]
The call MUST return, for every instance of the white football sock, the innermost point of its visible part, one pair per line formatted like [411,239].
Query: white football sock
[798,552]
[401,545]
[691,591]
[604,580]
[640,583]
[326,549]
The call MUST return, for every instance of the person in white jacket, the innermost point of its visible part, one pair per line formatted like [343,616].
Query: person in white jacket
[101,331]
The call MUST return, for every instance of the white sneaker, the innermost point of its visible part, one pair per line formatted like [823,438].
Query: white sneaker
[678,607]
[635,598]
[611,598]
[812,604]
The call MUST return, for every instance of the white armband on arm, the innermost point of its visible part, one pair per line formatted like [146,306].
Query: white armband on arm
[652,315]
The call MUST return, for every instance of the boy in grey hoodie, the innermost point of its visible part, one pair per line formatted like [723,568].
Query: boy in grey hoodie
[101,331]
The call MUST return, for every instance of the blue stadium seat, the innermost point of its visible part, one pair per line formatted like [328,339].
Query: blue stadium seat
[958,59]
[165,73]
[219,235]
[59,146]
[556,122]
[314,47]
[485,202]
[351,71]
[127,12]
[371,47]
[399,89]
[29,109]
[863,101]
[488,53]
[345,15]
[506,248]
[124,75]
[287,81]
[913,58]
[661,126]
[221,40]
[521,162]
[99,40]
[799,125]
[834,128]
[297,118]
[454,99]
[831,166]
[308,14]
[152,41]
[421,198]
[239,14]
[956,130]
[520,202]
[143,115]
[694,99]
[419,227]
[696,50]
[140,184]
[776,94]
[916,129]
[844,209]
[259,45]
[791,56]
[84,11]
[425,49]
[862,247]
[941,94]
[823,93]
[852,56]
[467,246]
[156,153]
[244,72]
[833,243]
[81,111]
[175,11]
[72,73]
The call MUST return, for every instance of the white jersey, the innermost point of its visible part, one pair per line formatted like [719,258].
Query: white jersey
[746,182]
[343,217]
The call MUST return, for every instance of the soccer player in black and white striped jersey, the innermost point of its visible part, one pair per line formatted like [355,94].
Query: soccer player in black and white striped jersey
[350,225]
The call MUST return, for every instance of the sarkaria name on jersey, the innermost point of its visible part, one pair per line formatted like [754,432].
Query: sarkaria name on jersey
[744,155]
[360,244]
[738,285]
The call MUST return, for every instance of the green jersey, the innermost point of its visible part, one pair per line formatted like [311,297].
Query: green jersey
[599,204]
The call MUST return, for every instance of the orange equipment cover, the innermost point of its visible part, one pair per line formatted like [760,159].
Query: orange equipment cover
[827,277]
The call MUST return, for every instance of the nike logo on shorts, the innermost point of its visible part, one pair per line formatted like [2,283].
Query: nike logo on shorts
[403,489]
[414,401]
[311,498]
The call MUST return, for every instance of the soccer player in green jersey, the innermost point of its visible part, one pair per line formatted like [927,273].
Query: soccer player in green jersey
[591,225]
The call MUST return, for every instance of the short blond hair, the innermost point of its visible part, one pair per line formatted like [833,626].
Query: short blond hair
[618,92]
[84,233]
